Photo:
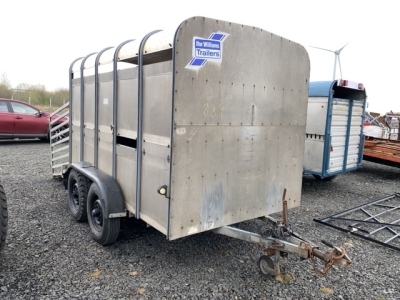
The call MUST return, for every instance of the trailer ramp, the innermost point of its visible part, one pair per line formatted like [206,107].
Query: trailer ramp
[59,141]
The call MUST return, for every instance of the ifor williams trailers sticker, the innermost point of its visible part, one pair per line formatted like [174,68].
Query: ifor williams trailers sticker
[207,50]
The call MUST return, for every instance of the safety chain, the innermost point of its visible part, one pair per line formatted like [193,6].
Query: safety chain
[329,264]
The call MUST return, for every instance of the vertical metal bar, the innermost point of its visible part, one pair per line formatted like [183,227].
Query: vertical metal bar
[284,209]
[361,148]
[71,76]
[82,119]
[362,142]
[96,107]
[347,141]
[115,107]
[140,123]
[328,125]
[171,131]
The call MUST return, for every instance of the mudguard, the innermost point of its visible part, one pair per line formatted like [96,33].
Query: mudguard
[111,194]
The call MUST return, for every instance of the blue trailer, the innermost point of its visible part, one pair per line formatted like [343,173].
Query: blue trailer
[334,131]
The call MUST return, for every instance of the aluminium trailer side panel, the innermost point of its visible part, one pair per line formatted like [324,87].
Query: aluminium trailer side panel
[127,128]
[127,102]
[105,126]
[75,121]
[83,120]
[105,121]
[156,146]
[88,121]
[317,111]
[156,134]
[239,126]
[156,141]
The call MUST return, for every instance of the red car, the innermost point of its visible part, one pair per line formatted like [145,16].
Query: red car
[19,119]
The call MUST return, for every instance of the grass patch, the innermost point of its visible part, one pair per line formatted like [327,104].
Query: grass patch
[48,109]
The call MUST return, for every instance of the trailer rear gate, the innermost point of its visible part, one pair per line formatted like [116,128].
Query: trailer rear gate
[334,140]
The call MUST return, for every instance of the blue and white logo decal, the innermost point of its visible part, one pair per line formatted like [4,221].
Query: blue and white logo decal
[207,49]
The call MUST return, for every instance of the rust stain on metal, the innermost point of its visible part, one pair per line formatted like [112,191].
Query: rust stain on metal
[285,210]
[277,245]
[269,251]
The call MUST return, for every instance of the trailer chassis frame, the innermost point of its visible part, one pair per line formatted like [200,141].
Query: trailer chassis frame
[283,241]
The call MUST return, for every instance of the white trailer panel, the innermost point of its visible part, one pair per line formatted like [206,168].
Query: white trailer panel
[334,139]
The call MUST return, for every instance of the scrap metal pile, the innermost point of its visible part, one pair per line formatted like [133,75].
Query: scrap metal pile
[376,221]
[382,144]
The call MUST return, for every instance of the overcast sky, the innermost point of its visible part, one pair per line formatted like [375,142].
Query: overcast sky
[41,38]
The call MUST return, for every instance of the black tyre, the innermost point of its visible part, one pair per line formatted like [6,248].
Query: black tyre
[266,266]
[330,178]
[77,195]
[3,217]
[104,230]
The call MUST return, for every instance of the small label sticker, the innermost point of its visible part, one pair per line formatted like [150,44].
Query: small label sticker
[207,49]
[181,131]
[105,101]
[204,50]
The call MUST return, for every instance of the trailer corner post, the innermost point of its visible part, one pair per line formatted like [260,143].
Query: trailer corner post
[171,133]
[328,132]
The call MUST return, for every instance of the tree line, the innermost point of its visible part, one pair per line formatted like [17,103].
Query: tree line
[33,94]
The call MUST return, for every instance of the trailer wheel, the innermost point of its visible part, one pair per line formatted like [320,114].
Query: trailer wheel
[267,266]
[104,230]
[3,217]
[77,195]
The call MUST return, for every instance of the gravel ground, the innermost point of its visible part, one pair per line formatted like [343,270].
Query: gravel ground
[48,255]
